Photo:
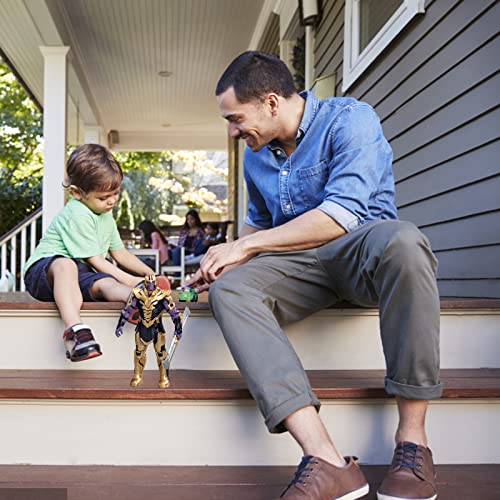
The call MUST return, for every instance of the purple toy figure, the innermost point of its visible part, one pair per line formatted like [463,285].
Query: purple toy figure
[151,302]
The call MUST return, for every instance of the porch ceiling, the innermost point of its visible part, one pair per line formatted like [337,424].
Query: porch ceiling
[118,47]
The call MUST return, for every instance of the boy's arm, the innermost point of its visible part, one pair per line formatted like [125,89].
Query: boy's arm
[131,262]
[99,263]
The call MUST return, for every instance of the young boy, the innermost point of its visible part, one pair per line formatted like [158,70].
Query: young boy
[69,264]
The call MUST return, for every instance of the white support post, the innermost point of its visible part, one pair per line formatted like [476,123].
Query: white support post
[309,53]
[54,130]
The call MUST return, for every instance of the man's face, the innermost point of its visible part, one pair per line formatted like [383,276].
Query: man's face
[252,121]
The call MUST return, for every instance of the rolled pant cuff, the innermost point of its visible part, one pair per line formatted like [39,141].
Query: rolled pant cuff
[413,391]
[274,420]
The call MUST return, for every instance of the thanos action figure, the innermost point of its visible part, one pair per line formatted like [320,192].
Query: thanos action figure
[151,302]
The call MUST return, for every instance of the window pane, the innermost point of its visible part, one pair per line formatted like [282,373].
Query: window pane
[373,15]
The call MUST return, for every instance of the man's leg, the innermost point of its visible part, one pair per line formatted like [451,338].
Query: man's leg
[250,303]
[398,268]
[310,433]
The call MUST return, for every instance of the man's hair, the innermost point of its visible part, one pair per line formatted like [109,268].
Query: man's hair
[255,74]
[93,167]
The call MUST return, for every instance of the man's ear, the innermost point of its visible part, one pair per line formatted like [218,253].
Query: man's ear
[76,192]
[272,100]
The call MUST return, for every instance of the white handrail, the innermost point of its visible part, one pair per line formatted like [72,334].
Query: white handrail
[9,246]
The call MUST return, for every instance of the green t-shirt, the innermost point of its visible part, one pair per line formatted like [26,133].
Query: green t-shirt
[78,233]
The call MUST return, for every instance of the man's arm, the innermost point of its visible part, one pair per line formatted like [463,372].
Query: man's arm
[309,230]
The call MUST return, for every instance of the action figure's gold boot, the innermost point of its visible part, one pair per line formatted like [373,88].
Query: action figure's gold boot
[161,356]
[139,364]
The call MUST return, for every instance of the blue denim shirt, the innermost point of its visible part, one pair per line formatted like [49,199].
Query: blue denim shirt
[342,165]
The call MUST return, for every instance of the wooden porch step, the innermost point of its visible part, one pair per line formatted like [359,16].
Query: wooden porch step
[219,385]
[455,482]
[23,301]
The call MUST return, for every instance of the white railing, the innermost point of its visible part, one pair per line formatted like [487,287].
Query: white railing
[9,247]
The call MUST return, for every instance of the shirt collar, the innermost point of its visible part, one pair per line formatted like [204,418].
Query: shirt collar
[310,110]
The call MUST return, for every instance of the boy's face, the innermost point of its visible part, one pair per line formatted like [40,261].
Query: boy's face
[98,201]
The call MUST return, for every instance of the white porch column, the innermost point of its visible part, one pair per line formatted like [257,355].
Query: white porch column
[54,130]
[92,134]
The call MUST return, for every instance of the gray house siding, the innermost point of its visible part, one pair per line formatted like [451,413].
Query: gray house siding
[436,89]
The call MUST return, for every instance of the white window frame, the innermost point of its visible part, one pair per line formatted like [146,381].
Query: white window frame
[355,63]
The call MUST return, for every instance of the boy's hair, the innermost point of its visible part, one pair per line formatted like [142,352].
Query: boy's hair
[255,74]
[93,167]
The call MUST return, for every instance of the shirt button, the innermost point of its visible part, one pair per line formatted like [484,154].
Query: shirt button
[285,172]
[278,152]
[288,206]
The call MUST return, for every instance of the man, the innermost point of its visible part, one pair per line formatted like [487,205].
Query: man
[321,228]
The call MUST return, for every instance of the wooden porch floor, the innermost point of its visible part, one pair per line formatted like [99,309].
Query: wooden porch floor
[26,482]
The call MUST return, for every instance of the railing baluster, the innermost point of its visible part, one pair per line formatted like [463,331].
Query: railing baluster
[13,258]
[8,246]
[23,259]
[33,237]
[4,259]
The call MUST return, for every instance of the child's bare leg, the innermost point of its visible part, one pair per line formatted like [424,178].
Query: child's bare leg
[63,276]
[111,290]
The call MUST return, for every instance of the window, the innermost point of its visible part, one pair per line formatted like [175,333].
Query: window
[370,25]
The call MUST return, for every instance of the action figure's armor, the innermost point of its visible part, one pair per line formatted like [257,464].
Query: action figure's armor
[150,302]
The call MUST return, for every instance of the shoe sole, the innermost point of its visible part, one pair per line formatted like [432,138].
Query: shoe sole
[90,355]
[353,495]
[381,496]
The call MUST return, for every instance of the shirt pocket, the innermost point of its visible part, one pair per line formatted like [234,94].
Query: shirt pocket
[312,182]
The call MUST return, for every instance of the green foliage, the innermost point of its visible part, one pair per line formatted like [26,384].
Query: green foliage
[20,152]
[20,128]
[125,218]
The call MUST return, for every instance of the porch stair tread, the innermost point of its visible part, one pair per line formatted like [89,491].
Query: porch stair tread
[222,384]
[23,301]
[471,482]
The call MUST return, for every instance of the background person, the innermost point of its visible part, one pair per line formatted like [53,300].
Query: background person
[153,238]
[190,236]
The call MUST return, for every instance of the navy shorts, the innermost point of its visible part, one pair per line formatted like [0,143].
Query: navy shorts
[39,287]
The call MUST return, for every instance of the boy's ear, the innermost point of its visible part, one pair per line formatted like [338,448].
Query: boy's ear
[75,192]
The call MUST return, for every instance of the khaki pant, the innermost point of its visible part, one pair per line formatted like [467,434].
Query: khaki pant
[384,263]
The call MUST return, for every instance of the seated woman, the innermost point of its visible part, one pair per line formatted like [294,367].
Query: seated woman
[153,238]
[190,236]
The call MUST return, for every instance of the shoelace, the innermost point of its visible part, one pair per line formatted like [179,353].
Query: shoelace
[302,472]
[407,456]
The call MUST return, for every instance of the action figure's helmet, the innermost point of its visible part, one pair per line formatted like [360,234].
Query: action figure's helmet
[150,282]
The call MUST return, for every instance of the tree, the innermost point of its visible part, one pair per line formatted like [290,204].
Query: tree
[159,181]
[125,218]
[21,133]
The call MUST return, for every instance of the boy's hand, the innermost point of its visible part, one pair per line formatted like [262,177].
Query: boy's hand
[119,331]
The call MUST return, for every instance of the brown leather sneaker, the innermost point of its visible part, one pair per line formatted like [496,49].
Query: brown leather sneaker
[411,475]
[316,479]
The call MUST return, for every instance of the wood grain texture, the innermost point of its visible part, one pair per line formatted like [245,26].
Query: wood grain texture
[455,482]
[217,385]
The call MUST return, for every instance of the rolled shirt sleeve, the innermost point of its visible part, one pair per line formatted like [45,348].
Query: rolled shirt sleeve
[359,152]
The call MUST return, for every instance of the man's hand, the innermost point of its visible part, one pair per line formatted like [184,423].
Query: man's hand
[119,331]
[219,257]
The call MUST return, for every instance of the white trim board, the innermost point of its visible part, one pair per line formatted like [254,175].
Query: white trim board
[356,63]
